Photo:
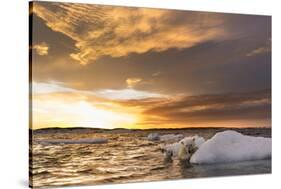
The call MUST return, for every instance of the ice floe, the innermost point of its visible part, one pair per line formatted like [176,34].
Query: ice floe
[71,141]
[167,137]
[231,146]
[153,136]
[223,147]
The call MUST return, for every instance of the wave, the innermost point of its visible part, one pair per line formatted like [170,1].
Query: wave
[71,141]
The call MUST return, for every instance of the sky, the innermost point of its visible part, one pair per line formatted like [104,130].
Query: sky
[124,67]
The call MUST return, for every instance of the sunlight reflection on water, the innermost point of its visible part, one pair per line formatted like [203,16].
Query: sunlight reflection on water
[127,157]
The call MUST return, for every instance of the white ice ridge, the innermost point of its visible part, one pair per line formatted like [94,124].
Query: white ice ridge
[231,146]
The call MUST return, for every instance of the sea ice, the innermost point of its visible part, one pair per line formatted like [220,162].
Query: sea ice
[167,137]
[231,146]
[153,136]
[171,137]
[70,141]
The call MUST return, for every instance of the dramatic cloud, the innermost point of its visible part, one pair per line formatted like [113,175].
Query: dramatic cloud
[41,49]
[109,66]
[118,31]
[146,110]
[221,107]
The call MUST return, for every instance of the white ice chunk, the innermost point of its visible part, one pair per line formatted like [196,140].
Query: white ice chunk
[153,136]
[231,146]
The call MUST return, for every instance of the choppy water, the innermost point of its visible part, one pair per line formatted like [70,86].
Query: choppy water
[127,157]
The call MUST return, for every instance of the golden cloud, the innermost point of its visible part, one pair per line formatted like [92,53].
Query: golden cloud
[118,31]
[41,49]
[259,50]
[53,99]
[131,82]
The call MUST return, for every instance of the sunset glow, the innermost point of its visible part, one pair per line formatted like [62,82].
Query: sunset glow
[120,67]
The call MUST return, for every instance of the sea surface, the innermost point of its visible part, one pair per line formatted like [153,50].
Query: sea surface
[127,157]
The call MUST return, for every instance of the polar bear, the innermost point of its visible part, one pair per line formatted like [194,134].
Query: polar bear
[184,149]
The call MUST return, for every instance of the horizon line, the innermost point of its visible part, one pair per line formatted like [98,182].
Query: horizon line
[261,127]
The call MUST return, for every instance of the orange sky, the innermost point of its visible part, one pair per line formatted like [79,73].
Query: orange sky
[119,67]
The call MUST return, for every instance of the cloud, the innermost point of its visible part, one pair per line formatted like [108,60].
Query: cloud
[41,48]
[131,82]
[127,94]
[152,109]
[118,31]
[156,74]
[50,87]
[261,50]
[55,88]
[201,109]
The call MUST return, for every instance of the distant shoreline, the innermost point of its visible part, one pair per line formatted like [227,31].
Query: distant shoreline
[124,130]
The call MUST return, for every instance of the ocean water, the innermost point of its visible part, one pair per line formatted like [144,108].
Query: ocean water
[127,157]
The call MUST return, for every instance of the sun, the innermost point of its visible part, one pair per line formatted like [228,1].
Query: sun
[90,115]
[54,113]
